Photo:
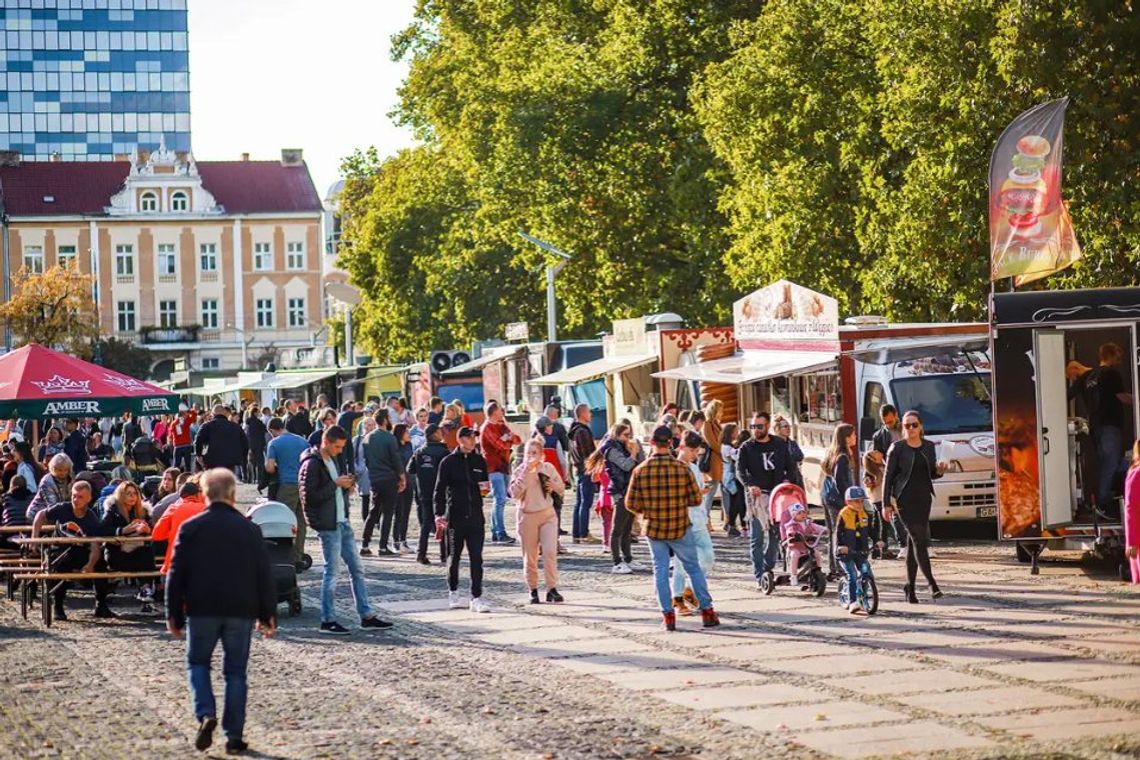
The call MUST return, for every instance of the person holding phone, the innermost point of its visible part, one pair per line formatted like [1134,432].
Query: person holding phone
[908,486]
[533,485]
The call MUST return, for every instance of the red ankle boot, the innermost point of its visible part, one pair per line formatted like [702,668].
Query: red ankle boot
[709,618]
[670,618]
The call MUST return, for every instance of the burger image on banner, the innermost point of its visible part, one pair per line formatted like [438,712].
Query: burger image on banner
[1031,235]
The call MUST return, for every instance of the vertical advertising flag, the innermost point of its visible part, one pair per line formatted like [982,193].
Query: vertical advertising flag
[1031,234]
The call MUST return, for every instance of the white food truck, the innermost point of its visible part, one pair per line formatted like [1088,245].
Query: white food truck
[794,359]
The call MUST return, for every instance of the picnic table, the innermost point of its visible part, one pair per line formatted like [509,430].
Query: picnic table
[45,577]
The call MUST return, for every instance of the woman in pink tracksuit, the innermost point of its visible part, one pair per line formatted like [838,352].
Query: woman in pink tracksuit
[1132,513]
[533,485]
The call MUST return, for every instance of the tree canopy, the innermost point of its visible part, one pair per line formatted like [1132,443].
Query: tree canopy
[686,152]
[54,309]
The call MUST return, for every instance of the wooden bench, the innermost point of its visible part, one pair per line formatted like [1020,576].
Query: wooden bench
[46,590]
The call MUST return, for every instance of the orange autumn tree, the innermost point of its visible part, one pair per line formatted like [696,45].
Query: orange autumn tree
[54,309]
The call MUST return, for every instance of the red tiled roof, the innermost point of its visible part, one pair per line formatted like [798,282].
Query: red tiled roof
[85,187]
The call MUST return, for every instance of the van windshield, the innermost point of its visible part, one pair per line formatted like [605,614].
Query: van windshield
[949,404]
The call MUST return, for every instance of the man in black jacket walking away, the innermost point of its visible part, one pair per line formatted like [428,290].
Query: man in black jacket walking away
[221,442]
[424,469]
[459,492]
[324,499]
[219,584]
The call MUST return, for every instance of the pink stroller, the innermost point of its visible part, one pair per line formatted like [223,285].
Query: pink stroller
[798,540]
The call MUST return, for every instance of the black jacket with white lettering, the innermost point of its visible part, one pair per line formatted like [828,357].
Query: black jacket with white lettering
[766,464]
[457,495]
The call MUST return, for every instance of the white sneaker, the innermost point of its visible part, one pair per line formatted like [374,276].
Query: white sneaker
[635,565]
[622,569]
[454,600]
[478,605]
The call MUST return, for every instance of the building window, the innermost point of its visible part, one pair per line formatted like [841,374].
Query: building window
[167,260]
[264,312]
[262,257]
[148,201]
[34,259]
[296,312]
[179,201]
[295,255]
[211,362]
[208,257]
[167,313]
[66,256]
[125,311]
[125,261]
[210,313]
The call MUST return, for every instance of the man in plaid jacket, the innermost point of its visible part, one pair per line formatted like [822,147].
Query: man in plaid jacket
[661,490]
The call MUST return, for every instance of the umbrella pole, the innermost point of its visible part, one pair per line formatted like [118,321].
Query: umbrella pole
[35,434]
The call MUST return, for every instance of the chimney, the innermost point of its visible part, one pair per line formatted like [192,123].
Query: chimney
[55,157]
[9,158]
[291,157]
[244,156]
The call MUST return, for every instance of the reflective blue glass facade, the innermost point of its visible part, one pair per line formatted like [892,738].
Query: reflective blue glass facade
[89,79]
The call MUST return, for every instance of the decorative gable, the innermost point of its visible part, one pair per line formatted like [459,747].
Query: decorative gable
[152,187]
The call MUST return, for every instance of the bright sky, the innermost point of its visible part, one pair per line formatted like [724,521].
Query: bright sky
[316,75]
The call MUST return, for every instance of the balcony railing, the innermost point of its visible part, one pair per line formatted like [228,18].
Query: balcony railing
[159,335]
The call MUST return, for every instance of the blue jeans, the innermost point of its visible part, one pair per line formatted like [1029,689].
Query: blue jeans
[583,503]
[1109,454]
[337,545]
[202,635]
[706,502]
[764,546]
[499,490]
[705,558]
[850,563]
[685,551]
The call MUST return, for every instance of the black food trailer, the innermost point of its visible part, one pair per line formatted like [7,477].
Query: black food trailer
[1047,349]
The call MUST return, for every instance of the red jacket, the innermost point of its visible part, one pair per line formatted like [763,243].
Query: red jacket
[180,429]
[496,442]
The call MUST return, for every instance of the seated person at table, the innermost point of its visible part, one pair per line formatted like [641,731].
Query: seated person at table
[15,506]
[168,500]
[97,450]
[54,487]
[124,514]
[191,503]
[75,518]
[121,474]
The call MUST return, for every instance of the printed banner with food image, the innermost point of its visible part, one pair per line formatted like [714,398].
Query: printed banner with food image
[1031,234]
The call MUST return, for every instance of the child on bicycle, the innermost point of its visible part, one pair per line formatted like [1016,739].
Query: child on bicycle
[853,542]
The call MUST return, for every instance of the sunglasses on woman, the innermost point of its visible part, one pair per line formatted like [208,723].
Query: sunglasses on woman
[911,425]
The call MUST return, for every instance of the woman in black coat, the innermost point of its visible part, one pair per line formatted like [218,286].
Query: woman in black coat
[908,485]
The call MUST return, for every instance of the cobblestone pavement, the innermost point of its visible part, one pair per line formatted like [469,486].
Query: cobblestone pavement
[1007,665]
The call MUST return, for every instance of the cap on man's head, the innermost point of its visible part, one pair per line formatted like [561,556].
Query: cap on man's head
[855,493]
[542,422]
[431,430]
[466,432]
[663,435]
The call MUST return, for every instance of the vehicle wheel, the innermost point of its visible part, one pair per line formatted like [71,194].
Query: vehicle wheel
[307,561]
[870,595]
[818,583]
[295,604]
[767,583]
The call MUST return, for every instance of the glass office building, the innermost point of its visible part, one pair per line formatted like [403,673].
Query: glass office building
[92,79]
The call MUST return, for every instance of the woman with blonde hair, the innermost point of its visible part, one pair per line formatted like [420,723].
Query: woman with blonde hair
[1132,514]
[712,432]
[533,484]
[125,514]
[452,420]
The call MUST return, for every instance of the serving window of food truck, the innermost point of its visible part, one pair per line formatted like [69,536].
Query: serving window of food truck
[1065,390]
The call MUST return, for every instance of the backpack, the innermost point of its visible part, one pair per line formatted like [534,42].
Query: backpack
[704,460]
[830,493]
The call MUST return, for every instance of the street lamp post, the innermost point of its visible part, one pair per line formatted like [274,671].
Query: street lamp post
[244,346]
[551,271]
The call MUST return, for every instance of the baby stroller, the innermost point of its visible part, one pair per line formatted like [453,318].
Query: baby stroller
[809,574]
[278,527]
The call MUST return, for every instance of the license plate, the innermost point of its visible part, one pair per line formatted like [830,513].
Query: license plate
[987,512]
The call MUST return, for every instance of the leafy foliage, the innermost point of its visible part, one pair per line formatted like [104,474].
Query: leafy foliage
[687,151]
[54,309]
[122,356]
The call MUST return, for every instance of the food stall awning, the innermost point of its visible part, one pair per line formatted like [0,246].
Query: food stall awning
[752,366]
[595,369]
[285,381]
[213,389]
[490,355]
[376,372]
[892,350]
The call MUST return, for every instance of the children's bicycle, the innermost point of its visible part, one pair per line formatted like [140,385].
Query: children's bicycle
[866,590]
